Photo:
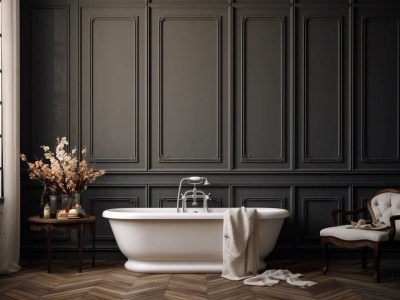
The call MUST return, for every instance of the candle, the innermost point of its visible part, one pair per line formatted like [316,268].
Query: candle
[62,214]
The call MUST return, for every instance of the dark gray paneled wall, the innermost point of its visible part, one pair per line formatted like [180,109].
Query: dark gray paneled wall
[291,104]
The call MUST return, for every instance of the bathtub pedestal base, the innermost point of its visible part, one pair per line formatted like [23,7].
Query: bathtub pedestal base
[141,266]
[173,267]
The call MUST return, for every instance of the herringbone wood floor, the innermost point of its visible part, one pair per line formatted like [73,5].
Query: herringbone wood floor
[109,280]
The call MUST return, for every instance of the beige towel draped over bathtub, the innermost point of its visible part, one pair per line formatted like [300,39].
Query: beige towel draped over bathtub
[240,243]
[241,258]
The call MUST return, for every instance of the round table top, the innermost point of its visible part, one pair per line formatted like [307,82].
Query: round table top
[39,220]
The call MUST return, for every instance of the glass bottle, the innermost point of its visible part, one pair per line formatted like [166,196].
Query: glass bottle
[53,205]
[66,202]
[42,202]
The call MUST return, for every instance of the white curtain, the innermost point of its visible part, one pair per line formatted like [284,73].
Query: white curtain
[10,220]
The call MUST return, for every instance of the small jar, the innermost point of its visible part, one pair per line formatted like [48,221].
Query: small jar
[46,211]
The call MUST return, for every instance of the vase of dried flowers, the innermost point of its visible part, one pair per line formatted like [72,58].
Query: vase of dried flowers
[63,172]
[69,201]
[66,202]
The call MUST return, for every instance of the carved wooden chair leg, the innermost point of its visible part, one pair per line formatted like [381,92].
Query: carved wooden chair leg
[324,245]
[377,259]
[364,261]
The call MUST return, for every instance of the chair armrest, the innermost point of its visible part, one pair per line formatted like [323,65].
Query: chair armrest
[392,231]
[345,213]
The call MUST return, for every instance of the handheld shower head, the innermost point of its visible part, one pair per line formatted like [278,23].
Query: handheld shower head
[195,178]
[198,180]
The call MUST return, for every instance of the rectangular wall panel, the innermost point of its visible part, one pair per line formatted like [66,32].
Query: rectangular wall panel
[313,210]
[189,102]
[189,88]
[261,88]
[268,196]
[255,196]
[114,86]
[113,81]
[380,63]
[100,204]
[322,89]
[49,75]
[311,207]
[99,198]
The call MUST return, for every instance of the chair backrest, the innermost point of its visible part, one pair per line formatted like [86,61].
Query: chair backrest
[384,204]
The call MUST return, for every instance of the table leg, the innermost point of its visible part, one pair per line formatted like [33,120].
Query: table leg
[29,247]
[93,243]
[48,231]
[80,245]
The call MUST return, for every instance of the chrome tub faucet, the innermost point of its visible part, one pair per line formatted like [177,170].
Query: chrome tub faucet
[193,194]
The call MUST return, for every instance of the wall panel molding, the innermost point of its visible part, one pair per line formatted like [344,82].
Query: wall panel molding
[133,158]
[246,156]
[365,113]
[164,157]
[280,200]
[306,201]
[336,156]
[127,201]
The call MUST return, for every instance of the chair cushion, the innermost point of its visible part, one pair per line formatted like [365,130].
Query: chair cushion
[347,233]
[384,206]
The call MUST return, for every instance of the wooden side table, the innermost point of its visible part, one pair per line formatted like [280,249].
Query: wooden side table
[81,225]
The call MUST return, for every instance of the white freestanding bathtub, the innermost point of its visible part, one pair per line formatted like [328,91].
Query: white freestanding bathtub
[160,240]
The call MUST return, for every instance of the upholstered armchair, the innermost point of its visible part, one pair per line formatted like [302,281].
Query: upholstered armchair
[384,209]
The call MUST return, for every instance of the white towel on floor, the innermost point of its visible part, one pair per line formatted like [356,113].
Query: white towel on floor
[271,277]
[240,243]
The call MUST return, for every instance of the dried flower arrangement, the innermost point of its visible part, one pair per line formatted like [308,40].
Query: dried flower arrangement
[63,172]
